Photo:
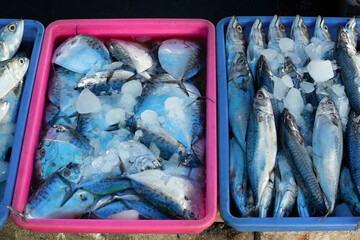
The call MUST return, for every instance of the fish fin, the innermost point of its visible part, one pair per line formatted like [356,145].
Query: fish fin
[16,212]
[182,87]
[326,215]
[357,227]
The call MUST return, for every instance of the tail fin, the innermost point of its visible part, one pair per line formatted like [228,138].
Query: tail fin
[16,212]
[254,211]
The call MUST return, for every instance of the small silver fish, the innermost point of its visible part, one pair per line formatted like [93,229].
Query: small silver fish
[10,39]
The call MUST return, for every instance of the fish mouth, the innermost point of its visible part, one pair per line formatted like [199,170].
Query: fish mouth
[233,22]
[351,23]
[319,22]
[257,24]
[297,21]
[274,21]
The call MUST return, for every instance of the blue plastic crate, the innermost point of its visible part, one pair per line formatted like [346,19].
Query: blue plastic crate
[31,45]
[264,224]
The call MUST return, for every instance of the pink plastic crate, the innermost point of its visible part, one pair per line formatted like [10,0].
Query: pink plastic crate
[58,31]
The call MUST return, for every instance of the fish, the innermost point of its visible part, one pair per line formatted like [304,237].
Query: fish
[327,150]
[10,39]
[352,148]
[108,210]
[178,196]
[286,188]
[300,35]
[276,32]
[136,157]
[256,44]
[300,161]
[348,62]
[264,78]
[180,58]
[238,177]
[352,30]
[81,54]
[240,96]
[321,31]
[348,192]
[106,185]
[13,100]
[181,116]
[261,144]
[235,41]
[267,199]
[12,72]
[134,54]
[61,92]
[303,205]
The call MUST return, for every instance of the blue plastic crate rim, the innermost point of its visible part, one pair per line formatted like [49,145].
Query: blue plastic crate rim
[33,33]
[263,224]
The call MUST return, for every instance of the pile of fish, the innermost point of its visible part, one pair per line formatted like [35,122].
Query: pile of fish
[294,105]
[123,132]
[13,67]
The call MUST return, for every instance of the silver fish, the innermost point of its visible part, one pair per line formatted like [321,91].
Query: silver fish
[286,188]
[300,35]
[81,54]
[261,144]
[10,39]
[321,31]
[176,195]
[348,192]
[11,73]
[235,41]
[267,199]
[327,150]
[277,31]
[256,44]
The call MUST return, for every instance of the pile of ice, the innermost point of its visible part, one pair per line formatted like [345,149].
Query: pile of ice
[318,49]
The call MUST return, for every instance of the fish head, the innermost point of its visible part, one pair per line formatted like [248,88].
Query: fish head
[83,198]
[47,151]
[239,66]
[235,32]
[12,35]
[87,82]
[55,131]
[194,203]
[276,29]
[18,66]
[344,41]
[299,32]
[321,31]
[262,101]
[257,33]
[264,66]
[289,122]
[327,107]
[289,66]
[71,172]
[144,162]
[351,27]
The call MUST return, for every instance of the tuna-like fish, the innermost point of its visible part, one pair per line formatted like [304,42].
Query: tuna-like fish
[261,144]
[81,54]
[286,188]
[349,67]
[256,44]
[10,39]
[240,96]
[267,199]
[277,31]
[300,35]
[235,41]
[327,150]
[12,72]
[321,31]
[171,194]
[348,192]
[300,161]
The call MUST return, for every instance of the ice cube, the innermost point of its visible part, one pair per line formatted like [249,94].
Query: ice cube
[315,40]
[286,45]
[133,88]
[294,102]
[309,107]
[115,116]
[307,87]
[125,215]
[269,54]
[338,89]
[150,117]
[127,102]
[154,149]
[95,143]
[138,134]
[98,162]
[282,86]
[334,65]
[320,70]
[281,106]
[87,102]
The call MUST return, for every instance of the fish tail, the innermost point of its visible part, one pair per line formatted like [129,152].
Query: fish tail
[357,227]
[182,87]
[16,212]
[253,211]
[327,214]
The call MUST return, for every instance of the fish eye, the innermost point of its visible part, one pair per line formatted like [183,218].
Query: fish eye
[259,95]
[356,30]
[289,117]
[147,168]
[12,27]
[282,28]
[343,35]
[21,61]
[66,173]
[325,27]
[42,152]
[192,214]
[333,115]
[83,198]
[238,28]
[329,102]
